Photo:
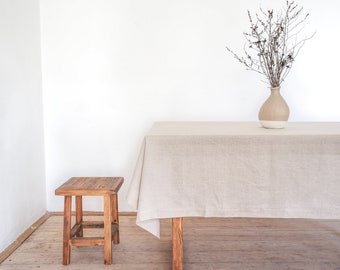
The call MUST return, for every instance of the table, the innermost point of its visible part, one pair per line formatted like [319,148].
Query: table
[235,169]
[107,187]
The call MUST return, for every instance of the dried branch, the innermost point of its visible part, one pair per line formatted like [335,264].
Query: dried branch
[272,42]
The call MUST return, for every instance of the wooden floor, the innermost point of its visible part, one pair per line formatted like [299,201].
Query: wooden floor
[209,243]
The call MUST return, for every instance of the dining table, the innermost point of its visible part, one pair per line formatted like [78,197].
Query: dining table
[234,169]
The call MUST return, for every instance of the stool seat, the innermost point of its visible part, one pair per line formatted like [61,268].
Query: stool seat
[107,187]
[90,186]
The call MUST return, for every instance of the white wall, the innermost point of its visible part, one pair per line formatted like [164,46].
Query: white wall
[113,67]
[22,179]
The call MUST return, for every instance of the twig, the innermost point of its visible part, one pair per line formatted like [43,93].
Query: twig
[270,50]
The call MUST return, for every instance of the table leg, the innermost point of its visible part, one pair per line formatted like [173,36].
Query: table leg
[177,244]
[107,229]
[79,214]
[67,230]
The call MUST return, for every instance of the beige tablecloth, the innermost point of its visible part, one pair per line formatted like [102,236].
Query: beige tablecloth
[237,169]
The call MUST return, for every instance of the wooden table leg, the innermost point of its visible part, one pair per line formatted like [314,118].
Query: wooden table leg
[177,244]
[115,218]
[67,230]
[79,215]
[107,229]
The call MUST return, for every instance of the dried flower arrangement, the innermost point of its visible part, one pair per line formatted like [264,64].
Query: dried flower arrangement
[272,43]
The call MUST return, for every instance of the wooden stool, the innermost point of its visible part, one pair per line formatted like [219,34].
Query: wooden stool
[90,186]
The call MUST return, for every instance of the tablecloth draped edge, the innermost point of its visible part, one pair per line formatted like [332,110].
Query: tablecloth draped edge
[134,188]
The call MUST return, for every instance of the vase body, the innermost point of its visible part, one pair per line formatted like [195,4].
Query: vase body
[274,113]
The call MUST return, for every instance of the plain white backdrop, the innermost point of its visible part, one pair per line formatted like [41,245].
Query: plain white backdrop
[22,172]
[110,68]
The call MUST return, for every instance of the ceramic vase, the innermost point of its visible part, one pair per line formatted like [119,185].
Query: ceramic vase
[274,113]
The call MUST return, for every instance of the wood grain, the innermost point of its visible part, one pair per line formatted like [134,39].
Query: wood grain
[90,186]
[107,229]
[209,243]
[177,244]
[79,215]
[12,247]
[67,229]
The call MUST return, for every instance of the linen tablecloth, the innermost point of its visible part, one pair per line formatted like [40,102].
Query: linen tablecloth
[236,169]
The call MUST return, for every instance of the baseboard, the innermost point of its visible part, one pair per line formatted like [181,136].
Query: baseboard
[12,247]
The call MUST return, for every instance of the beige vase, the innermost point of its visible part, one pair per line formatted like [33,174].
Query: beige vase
[274,112]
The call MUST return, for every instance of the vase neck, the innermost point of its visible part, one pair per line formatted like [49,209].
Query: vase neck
[277,88]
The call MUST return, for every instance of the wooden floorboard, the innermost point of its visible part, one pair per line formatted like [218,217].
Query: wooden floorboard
[209,243]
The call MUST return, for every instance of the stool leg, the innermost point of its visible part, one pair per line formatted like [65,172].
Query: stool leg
[79,215]
[115,218]
[107,229]
[67,230]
